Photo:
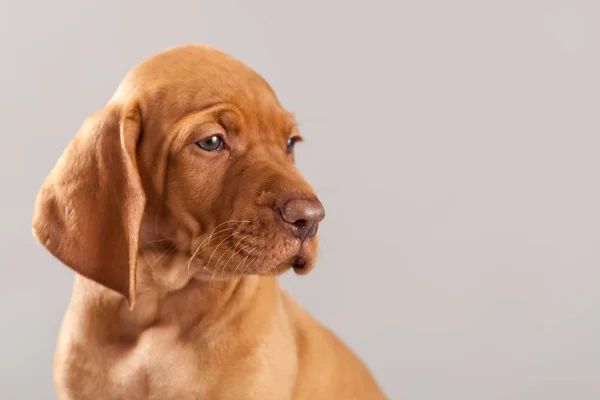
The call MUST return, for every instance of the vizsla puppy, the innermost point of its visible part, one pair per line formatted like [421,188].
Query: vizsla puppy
[177,205]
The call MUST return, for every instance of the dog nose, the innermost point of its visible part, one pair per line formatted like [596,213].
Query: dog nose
[302,216]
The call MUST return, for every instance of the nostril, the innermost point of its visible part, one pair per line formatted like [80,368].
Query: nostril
[301,223]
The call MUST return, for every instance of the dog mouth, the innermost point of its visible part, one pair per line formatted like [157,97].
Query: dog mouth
[304,259]
[298,263]
[247,248]
[298,257]
[290,254]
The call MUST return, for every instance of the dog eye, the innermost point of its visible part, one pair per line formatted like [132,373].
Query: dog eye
[213,143]
[291,143]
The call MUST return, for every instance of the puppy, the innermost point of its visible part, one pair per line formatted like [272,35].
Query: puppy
[178,205]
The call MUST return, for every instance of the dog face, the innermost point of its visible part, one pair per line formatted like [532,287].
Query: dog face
[192,159]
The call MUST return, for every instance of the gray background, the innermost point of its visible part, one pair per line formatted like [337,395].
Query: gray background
[454,143]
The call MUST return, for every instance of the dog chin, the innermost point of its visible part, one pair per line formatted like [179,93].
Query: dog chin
[285,261]
[302,262]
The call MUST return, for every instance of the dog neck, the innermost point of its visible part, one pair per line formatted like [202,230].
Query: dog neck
[168,296]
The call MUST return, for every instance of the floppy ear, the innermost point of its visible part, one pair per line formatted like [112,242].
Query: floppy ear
[89,210]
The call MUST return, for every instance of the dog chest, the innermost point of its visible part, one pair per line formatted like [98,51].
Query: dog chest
[170,366]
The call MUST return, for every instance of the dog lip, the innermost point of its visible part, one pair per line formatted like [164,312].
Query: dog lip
[299,262]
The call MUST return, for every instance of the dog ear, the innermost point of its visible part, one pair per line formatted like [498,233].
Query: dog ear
[89,210]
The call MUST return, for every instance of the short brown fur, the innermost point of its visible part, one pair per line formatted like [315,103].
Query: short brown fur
[177,249]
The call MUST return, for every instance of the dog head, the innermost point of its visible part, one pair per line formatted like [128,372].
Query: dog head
[192,160]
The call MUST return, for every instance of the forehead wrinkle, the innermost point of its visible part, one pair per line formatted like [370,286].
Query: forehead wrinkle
[186,125]
[266,119]
[200,82]
[268,148]
[199,91]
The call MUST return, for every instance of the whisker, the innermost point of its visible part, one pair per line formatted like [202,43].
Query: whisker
[255,261]
[207,240]
[215,250]
[249,244]
[156,241]
[169,251]
[240,249]
[234,252]
[245,258]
